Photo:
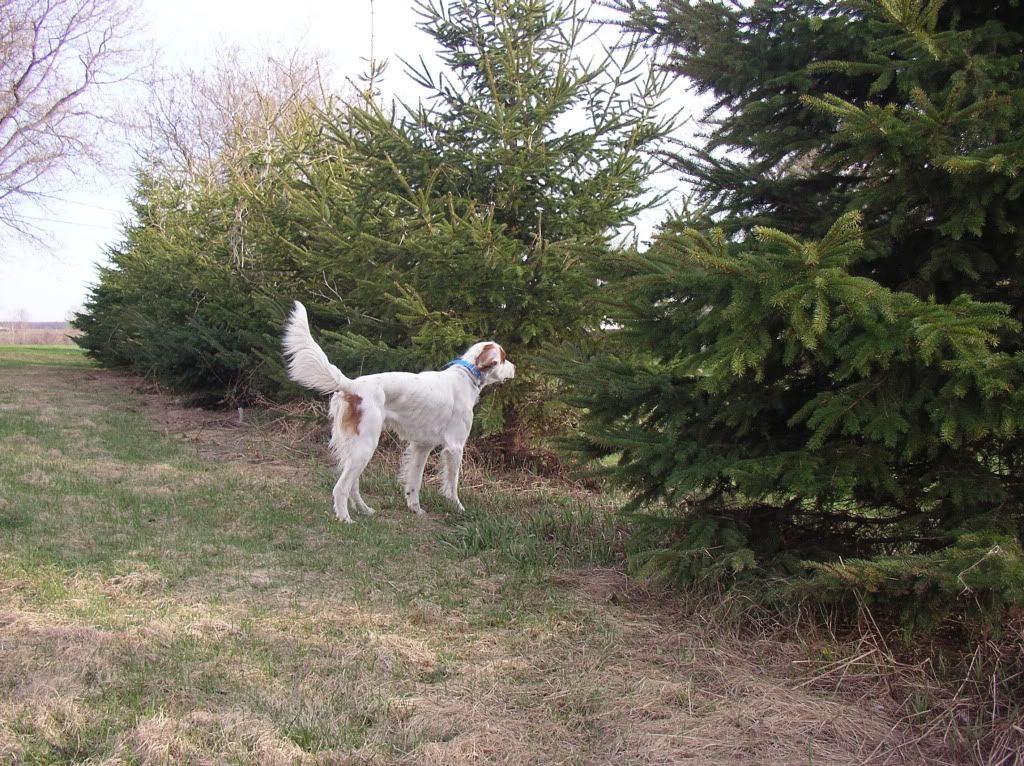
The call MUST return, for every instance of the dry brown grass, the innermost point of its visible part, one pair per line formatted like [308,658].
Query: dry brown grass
[945,705]
[974,704]
[376,645]
[19,334]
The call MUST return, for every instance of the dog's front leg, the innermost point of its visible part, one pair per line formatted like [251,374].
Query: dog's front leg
[451,463]
[410,474]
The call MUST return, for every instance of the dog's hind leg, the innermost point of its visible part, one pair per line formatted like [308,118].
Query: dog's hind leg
[360,504]
[354,440]
[347,488]
[410,474]
[451,462]
[341,493]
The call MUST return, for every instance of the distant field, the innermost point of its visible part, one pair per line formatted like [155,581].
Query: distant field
[36,333]
[174,589]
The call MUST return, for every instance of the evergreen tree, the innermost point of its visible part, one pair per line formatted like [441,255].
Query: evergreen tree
[191,296]
[820,369]
[173,304]
[408,232]
[480,211]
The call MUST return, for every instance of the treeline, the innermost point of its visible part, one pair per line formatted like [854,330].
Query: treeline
[409,232]
[810,383]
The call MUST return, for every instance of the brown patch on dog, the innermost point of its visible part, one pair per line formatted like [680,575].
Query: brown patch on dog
[491,355]
[353,413]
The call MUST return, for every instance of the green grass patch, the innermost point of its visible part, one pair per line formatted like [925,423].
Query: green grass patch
[64,357]
[556,532]
[167,600]
[202,606]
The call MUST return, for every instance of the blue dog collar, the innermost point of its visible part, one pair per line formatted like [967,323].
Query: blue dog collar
[472,368]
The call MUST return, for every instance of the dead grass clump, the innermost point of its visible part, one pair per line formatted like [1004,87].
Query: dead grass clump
[139,474]
[141,580]
[604,584]
[48,671]
[161,739]
[11,750]
[394,651]
[457,729]
[247,735]
[974,704]
[429,614]
[655,687]
[211,628]
[107,469]
[57,720]
[37,477]
[205,737]
[41,658]
[937,709]
[730,711]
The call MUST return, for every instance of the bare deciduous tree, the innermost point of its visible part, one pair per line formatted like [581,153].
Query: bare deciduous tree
[200,123]
[59,62]
[213,126]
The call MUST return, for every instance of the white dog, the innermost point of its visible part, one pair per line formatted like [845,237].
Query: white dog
[428,409]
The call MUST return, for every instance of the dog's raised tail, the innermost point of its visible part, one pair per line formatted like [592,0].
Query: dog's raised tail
[307,362]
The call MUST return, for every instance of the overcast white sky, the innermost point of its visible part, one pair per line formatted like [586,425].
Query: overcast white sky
[50,286]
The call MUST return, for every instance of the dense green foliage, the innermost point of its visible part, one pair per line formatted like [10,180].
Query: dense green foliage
[409,233]
[178,303]
[819,370]
[814,374]
[479,212]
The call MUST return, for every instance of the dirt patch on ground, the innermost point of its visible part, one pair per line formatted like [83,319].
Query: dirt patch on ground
[277,441]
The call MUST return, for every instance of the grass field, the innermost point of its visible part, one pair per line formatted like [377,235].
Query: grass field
[174,589]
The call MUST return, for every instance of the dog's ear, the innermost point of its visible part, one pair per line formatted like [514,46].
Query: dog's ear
[491,355]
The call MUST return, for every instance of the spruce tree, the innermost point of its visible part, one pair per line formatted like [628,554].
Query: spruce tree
[481,210]
[818,370]
[409,231]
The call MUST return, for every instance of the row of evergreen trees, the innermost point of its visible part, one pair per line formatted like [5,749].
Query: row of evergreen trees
[811,379]
[409,232]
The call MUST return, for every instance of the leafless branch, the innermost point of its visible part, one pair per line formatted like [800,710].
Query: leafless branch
[202,124]
[61,63]
[223,123]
